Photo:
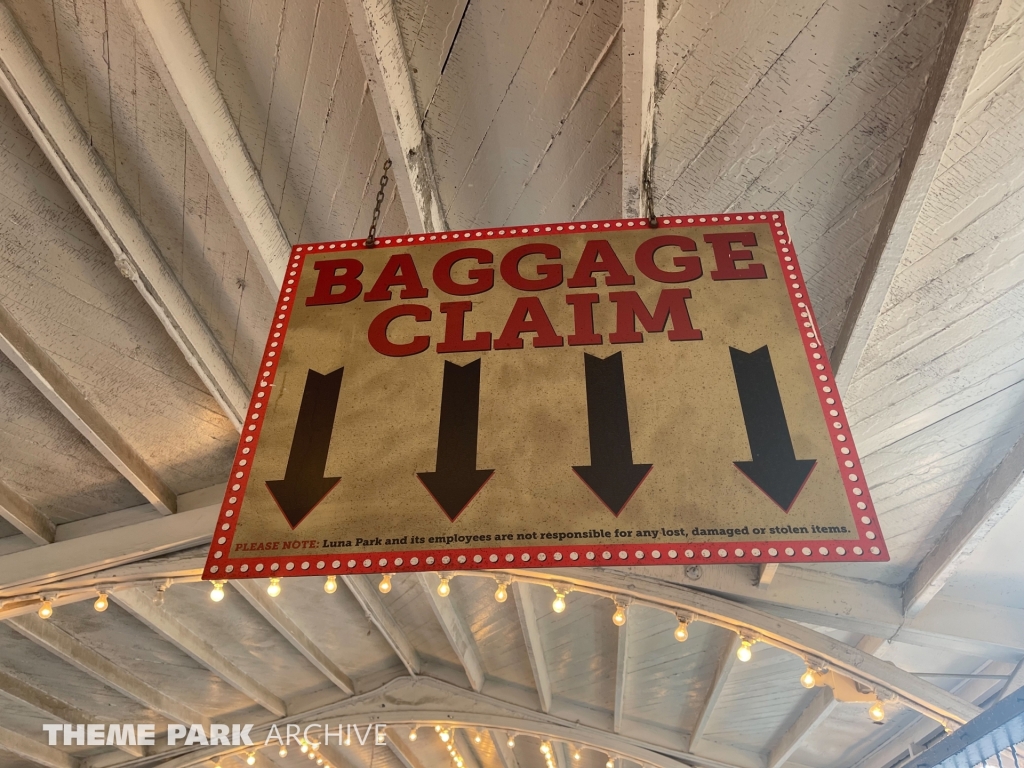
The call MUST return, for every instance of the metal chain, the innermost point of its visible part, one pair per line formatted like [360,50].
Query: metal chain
[652,220]
[371,238]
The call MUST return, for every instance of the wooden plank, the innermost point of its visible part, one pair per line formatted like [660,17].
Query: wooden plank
[506,756]
[534,644]
[714,693]
[378,614]
[621,669]
[26,518]
[766,573]
[456,630]
[639,52]
[402,750]
[258,598]
[158,618]
[379,39]
[60,643]
[813,715]
[35,751]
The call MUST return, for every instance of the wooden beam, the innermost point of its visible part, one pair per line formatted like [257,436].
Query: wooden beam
[40,105]
[61,644]
[718,681]
[456,630]
[375,26]
[534,645]
[813,715]
[621,662]
[960,49]
[141,605]
[1001,492]
[402,750]
[39,368]
[26,518]
[1014,681]
[765,573]
[505,754]
[368,597]
[271,610]
[639,53]
[464,744]
[164,30]
[35,751]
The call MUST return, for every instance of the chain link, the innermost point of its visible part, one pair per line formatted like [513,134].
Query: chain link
[652,220]
[371,238]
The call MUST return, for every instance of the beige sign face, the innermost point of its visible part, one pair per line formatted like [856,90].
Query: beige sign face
[575,394]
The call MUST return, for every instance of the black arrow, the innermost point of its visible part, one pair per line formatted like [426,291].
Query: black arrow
[774,468]
[456,480]
[304,485]
[612,475]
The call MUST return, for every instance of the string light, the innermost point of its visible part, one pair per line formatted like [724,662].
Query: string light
[217,593]
[331,585]
[558,604]
[251,759]
[45,609]
[576,754]
[412,734]
[682,631]
[619,617]
[311,755]
[348,740]
[545,748]
[304,748]
[445,736]
[809,679]
[380,737]
[319,761]
[101,602]
[274,587]
[743,653]
[877,712]
[501,593]
[443,588]
[477,738]
[437,729]
[283,751]
[385,583]
[610,763]
[511,740]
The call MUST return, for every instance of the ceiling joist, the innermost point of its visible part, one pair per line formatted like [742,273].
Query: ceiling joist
[639,54]
[456,630]
[530,626]
[726,660]
[26,518]
[379,615]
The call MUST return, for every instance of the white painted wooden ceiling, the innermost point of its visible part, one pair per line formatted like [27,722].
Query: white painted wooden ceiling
[154,155]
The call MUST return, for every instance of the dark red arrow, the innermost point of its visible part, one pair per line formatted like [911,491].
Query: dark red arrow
[774,467]
[304,485]
[612,475]
[456,480]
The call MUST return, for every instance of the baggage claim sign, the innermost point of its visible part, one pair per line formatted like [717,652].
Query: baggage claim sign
[569,394]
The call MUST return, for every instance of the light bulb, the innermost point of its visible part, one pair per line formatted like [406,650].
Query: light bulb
[445,736]
[501,593]
[331,585]
[743,652]
[315,746]
[283,751]
[385,583]
[477,738]
[877,712]
[348,740]
[311,755]
[319,761]
[412,735]
[45,609]
[101,603]
[558,604]
[808,679]
[511,740]
[619,617]
[576,755]
[304,748]
[682,632]
[217,593]
[610,763]
[251,759]
[545,748]
[443,588]
[274,587]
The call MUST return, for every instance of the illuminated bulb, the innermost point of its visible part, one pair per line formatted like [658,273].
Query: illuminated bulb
[477,738]
[558,605]
[385,583]
[331,585]
[743,652]
[217,764]
[576,755]
[445,736]
[443,588]
[319,761]
[348,740]
[808,679]
[501,594]
[877,712]
[545,748]
[380,737]
[217,593]
[682,632]
[304,747]
[311,755]
[610,763]
[619,617]
[412,735]
[274,587]
[283,751]
[511,740]
[101,603]
[315,746]
[251,759]
[437,729]
[45,609]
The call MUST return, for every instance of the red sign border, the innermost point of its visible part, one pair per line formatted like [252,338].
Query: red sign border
[868,547]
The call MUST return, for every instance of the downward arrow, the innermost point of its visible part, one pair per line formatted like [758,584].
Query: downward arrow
[304,485]
[774,467]
[612,475]
[456,480]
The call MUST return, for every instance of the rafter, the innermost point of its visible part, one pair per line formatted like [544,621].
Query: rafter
[456,630]
[621,663]
[813,715]
[165,31]
[639,53]
[766,574]
[379,615]
[71,650]
[464,743]
[46,376]
[403,751]
[26,518]
[505,754]
[158,618]
[258,598]
[40,105]
[725,663]
[1000,493]
[35,751]
[375,26]
[527,611]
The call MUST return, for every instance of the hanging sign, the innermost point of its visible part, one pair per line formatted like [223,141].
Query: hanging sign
[569,394]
